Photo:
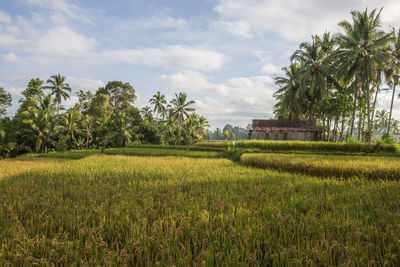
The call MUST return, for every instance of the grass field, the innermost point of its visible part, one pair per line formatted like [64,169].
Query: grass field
[163,151]
[272,145]
[328,165]
[144,211]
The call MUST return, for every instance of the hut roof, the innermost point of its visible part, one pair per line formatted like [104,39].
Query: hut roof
[284,125]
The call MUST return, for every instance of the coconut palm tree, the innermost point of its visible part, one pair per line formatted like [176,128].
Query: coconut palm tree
[121,129]
[363,48]
[69,125]
[38,127]
[287,95]
[181,107]
[159,103]
[87,123]
[59,88]
[393,73]
[317,72]
[146,113]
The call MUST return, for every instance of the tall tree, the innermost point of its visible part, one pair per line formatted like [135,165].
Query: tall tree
[159,102]
[34,88]
[59,89]
[5,101]
[121,95]
[363,49]
[181,107]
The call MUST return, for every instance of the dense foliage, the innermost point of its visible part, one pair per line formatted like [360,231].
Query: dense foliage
[230,132]
[336,80]
[107,118]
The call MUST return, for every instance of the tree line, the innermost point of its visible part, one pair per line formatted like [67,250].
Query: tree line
[106,118]
[229,132]
[336,80]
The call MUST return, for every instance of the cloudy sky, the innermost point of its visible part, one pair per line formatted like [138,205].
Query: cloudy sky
[223,53]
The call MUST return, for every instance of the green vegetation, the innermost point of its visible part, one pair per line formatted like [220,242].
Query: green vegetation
[113,210]
[147,151]
[328,165]
[271,145]
[105,119]
[336,79]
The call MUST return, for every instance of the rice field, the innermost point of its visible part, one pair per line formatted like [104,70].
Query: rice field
[145,211]
[386,168]
[308,146]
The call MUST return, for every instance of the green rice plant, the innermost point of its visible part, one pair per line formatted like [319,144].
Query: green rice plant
[387,168]
[160,151]
[177,147]
[71,154]
[271,145]
[174,211]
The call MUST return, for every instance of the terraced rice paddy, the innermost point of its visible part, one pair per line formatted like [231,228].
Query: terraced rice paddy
[144,211]
[387,168]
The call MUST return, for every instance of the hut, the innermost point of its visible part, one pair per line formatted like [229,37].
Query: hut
[284,130]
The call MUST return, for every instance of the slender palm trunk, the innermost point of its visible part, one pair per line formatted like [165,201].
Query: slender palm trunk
[391,108]
[354,110]
[360,118]
[329,129]
[342,128]
[368,134]
[374,105]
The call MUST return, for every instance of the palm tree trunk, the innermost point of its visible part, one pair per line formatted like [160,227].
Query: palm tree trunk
[342,128]
[323,129]
[374,106]
[359,124]
[329,129]
[354,110]
[391,108]
[368,134]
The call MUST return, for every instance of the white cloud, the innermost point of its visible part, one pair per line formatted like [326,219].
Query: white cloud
[154,22]
[10,58]
[270,68]
[59,11]
[85,84]
[237,100]
[5,17]
[192,81]
[65,42]
[293,19]
[180,56]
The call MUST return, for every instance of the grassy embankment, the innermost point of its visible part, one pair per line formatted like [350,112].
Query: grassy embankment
[143,211]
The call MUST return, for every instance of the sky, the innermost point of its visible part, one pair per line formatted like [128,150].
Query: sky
[223,53]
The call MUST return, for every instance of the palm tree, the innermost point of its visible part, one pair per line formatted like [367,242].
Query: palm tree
[38,127]
[181,107]
[393,73]
[288,96]
[159,102]
[58,88]
[362,50]
[146,113]
[70,126]
[121,129]
[7,137]
[317,72]
[87,123]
